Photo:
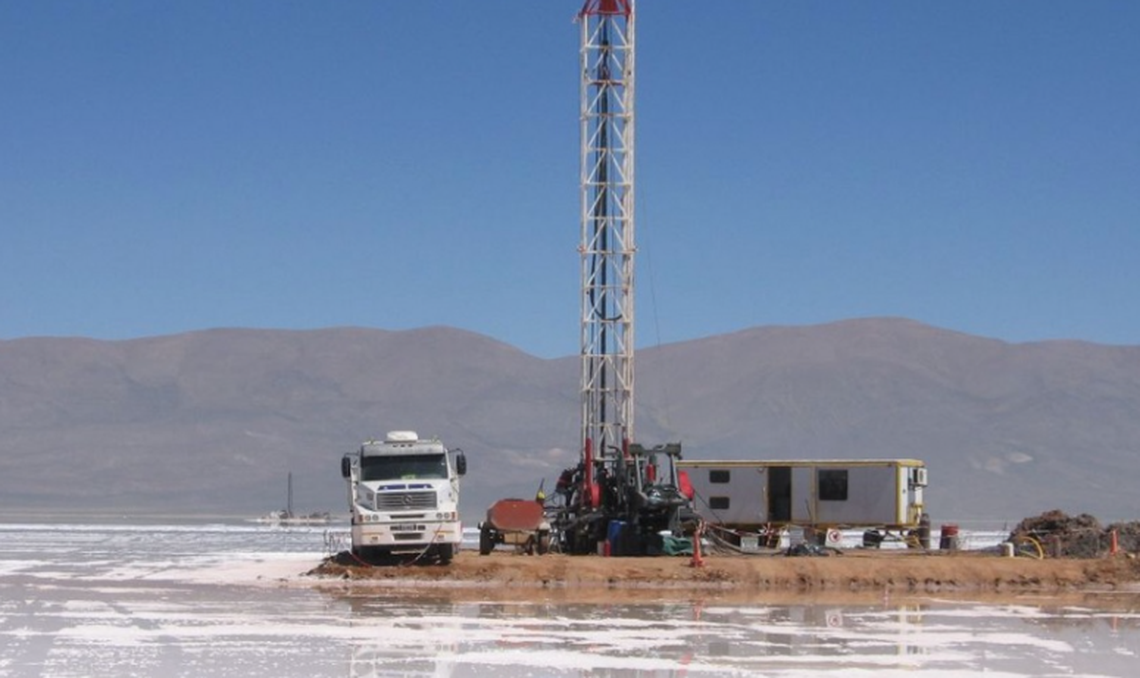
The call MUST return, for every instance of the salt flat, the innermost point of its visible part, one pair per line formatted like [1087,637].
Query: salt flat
[230,600]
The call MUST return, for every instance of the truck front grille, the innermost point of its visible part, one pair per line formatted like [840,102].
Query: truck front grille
[404,501]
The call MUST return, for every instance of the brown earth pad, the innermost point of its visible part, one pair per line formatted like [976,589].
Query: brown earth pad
[1078,549]
[506,574]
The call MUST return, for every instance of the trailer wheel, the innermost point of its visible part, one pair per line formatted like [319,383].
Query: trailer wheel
[486,541]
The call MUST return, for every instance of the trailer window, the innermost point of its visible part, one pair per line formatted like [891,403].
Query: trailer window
[719,476]
[833,485]
[718,503]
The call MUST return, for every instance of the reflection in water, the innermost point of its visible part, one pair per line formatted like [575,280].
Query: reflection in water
[435,637]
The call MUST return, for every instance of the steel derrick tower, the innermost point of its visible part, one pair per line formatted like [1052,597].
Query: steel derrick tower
[607,243]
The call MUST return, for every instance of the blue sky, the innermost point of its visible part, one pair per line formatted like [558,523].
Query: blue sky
[176,166]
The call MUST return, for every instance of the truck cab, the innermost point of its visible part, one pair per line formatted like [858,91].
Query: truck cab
[403,493]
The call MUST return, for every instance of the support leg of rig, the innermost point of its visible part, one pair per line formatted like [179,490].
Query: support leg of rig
[697,560]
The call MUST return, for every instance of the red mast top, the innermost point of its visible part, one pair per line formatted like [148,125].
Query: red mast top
[611,7]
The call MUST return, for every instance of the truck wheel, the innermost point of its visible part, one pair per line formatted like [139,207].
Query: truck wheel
[445,553]
[543,543]
[369,555]
[486,541]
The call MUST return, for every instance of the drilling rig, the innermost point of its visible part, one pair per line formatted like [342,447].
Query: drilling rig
[621,495]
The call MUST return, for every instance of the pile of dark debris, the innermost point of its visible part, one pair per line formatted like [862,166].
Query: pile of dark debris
[1080,536]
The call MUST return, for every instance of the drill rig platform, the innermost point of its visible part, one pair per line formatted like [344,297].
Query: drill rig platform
[619,486]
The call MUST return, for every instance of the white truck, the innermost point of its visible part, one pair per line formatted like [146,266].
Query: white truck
[403,493]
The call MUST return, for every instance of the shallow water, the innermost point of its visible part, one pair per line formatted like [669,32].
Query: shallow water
[222,599]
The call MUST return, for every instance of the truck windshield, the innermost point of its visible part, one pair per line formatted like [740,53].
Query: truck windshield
[404,467]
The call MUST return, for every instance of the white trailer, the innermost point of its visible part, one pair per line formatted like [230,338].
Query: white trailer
[754,495]
[404,496]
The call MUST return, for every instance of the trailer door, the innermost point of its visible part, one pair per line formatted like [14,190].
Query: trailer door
[780,494]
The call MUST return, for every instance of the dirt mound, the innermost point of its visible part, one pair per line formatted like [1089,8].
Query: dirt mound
[345,564]
[1081,536]
[1127,536]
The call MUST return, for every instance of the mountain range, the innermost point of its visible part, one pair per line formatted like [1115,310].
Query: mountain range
[211,422]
